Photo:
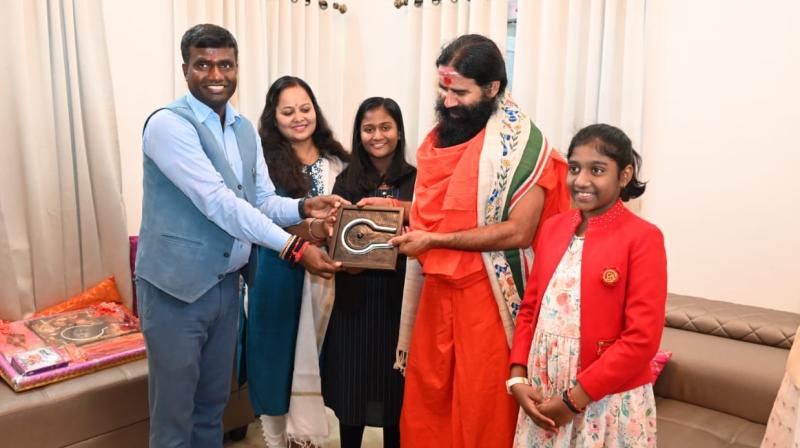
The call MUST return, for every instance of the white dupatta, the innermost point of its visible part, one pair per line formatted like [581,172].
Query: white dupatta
[307,422]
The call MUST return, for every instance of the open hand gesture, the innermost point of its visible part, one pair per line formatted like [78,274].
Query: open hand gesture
[323,206]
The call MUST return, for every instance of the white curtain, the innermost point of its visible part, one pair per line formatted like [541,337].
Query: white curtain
[430,27]
[580,62]
[62,219]
[276,38]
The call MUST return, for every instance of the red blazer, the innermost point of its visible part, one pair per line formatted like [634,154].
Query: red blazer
[622,320]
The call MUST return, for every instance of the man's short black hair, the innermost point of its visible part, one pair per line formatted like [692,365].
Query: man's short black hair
[207,35]
[476,57]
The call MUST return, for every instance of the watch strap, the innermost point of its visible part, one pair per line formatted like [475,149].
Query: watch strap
[511,382]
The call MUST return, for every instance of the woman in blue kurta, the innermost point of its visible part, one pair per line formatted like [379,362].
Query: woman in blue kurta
[303,160]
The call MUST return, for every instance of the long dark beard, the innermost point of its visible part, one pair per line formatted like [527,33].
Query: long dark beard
[458,124]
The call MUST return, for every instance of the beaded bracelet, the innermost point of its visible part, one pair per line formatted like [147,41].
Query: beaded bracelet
[293,250]
[566,397]
[289,247]
[298,254]
[297,251]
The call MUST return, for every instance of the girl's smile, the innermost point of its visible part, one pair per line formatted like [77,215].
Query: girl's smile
[379,134]
[595,180]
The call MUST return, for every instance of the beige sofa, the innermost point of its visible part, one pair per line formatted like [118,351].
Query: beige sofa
[716,391]
[103,409]
[727,365]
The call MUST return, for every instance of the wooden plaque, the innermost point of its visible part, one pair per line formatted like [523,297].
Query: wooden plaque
[361,236]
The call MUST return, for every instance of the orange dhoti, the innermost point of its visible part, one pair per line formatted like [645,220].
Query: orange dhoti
[457,360]
[455,379]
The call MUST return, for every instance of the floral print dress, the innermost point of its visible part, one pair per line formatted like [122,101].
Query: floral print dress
[626,419]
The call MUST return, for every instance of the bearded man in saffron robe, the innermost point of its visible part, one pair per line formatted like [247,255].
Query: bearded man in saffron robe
[486,178]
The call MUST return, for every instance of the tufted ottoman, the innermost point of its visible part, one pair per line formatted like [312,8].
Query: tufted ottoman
[727,364]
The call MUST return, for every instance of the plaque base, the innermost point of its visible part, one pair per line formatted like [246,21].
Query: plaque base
[361,236]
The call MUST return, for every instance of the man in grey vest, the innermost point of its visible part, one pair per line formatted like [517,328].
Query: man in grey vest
[207,199]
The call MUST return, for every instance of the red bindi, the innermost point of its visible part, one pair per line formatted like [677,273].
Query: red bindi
[447,80]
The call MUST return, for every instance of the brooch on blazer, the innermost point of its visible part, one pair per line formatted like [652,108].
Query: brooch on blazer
[610,276]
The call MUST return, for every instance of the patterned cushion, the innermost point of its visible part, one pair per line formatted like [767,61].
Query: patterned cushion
[105,291]
[732,321]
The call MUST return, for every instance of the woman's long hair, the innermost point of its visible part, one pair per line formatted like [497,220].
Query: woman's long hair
[361,176]
[285,168]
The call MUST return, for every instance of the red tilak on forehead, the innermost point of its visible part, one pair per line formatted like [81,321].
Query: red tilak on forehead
[447,74]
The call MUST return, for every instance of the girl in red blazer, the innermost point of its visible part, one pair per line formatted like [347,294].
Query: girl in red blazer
[593,311]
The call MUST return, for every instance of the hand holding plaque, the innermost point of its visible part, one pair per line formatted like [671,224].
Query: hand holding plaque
[361,237]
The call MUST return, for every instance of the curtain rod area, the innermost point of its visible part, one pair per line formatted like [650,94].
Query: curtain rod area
[323,5]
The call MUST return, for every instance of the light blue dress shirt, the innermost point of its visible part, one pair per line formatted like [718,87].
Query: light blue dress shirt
[173,144]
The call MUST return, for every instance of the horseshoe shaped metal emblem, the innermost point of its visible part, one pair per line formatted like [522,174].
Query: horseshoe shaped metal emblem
[369,247]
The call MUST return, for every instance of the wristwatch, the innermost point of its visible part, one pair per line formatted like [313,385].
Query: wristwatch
[511,382]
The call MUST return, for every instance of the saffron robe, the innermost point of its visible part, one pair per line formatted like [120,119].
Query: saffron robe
[458,355]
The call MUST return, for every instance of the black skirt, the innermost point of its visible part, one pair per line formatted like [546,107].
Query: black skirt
[358,379]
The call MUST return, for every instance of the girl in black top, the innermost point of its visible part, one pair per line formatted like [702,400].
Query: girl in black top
[358,380]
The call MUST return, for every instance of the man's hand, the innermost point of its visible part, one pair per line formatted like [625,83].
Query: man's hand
[414,242]
[317,262]
[323,206]
[555,410]
[528,398]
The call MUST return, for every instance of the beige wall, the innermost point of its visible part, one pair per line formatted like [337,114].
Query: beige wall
[139,42]
[721,146]
[721,105]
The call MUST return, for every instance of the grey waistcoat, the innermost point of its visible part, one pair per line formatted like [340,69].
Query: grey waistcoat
[181,251]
